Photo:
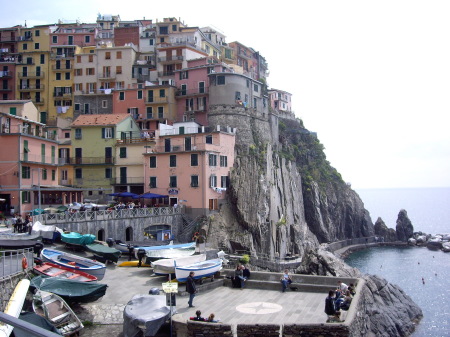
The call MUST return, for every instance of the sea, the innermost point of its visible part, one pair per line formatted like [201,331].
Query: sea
[422,273]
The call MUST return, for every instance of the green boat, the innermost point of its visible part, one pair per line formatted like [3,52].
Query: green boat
[105,252]
[74,238]
[71,291]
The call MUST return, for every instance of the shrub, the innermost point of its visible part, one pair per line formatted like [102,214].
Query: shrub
[245,259]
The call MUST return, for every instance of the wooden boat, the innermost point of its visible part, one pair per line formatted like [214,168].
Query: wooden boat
[133,264]
[154,253]
[54,270]
[14,306]
[57,311]
[17,244]
[74,262]
[167,266]
[104,252]
[71,291]
[19,236]
[75,238]
[201,269]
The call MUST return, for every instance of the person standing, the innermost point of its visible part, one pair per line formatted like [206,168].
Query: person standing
[191,288]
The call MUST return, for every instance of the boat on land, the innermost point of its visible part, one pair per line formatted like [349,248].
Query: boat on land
[57,311]
[167,266]
[70,291]
[104,252]
[74,262]
[170,251]
[17,244]
[54,270]
[14,306]
[133,264]
[201,269]
[19,236]
[74,238]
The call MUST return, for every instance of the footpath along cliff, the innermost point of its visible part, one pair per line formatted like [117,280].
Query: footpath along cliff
[286,199]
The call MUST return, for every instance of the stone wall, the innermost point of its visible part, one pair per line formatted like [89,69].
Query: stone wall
[198,329]
[7,286]
[266,330]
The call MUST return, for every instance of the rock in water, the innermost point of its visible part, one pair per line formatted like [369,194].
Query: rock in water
[404,228]
[383,231]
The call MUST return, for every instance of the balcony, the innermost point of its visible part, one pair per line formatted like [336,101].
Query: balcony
[39,101]
[107,76]
[25,88]
[39,74]
[5,88]
[158,100]
[143,139]
[128,180]
[37,158]
[170,59]
[94,92]
[192,92]
[92,161]
[63,94]
[66,67]
[62,56]
[5,73]
[166,73]
[28,37]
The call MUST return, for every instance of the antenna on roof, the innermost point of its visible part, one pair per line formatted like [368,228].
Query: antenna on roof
[25,23]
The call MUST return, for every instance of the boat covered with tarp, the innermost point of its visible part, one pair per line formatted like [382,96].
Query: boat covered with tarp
[107,253]
[47,232]
[71,291]
[145,314]
[75,238]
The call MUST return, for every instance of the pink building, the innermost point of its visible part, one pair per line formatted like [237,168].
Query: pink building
[191,164]
[193,89]
[280,100]
[30,176]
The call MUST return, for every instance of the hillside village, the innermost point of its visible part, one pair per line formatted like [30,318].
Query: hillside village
[91,109]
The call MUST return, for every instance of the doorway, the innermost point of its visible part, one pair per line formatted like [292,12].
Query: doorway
[101,235]
[129,234]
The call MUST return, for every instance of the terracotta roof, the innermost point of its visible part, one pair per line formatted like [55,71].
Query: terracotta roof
[93,120]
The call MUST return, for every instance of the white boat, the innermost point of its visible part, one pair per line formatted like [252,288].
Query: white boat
[74,262]
[14,306]
[57,311]
[167,266]
[19,236]
[201,269]
[167,251]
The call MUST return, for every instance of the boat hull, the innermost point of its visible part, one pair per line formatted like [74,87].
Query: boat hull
[54,270]
[154,253]
[14,306]
[167,266]
[74,262]
[201,269]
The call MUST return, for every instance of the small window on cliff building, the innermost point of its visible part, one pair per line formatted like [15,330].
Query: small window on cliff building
[220,80]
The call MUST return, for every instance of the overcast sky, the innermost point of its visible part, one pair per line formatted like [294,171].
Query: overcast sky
[372,78]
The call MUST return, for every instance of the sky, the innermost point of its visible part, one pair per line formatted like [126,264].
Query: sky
[372,78]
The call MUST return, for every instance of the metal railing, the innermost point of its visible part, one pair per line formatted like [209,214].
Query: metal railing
[11,261]
[106,214]
[31,329]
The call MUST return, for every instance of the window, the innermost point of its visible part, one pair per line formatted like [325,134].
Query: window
[213,181]
[37,33]
[104,104]
[256,87]
[220,80]
[108,173]
[43,153]
[212,159]
[213,204]
[42,60]
[119,70]
[54,39]
[248,83]
[78,72]
[108,55]
[174,28]
[91,58]
[254,103]
[152,161]
[149,112]
[67,76]
[87,39]
[118,55]
[25,46]
[139,94]
[173,181]
[44,174]
[173,160]
[26,172]
[77,133]
[164,30]
[160,112]
[152,182]
[201,87]
[150,96]
[77,106]
[78,173]
[194,159]
[107,132]
[151,42]
[121,95]
[36,45]
[194,181]
[78,58]
[209,139]
[90,71]
[123,152]
[223,161]
[184,75]
[58,76]
[237,96]
[53,175]
[224,181]
[26,197]
[162,93]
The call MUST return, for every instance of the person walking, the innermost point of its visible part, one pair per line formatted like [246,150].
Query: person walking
[191,288]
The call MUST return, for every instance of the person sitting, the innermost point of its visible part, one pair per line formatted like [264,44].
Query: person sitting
[239,276]
[285,280]
[338,298]
[352,290]
[245,272]
[198,316]
[211,318]
[345,305]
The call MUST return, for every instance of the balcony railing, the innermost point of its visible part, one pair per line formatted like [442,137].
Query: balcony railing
[62,56]
[192,92]
[38,158]
[166,73]
[31,74]
[62,67]
[156,99]
[31,87]
[107,76]
[5,88]
[183,148]
[39,101]
[95,92]
[28,130]
[92,161]
[5,73]
[63,94]
[135,140]
[170,58]
[128,180]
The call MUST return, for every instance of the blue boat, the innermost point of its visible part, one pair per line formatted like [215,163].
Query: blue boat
[167,251]
[201,269]
[74,262]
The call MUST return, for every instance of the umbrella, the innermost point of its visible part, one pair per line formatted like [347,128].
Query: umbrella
[37,211]
[149,195]
[125,195]
[51,210]
[62,208]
